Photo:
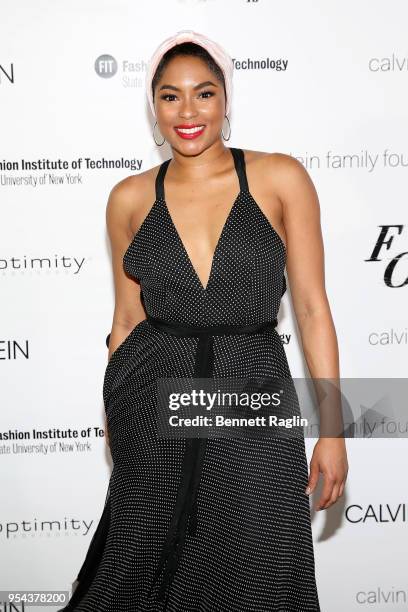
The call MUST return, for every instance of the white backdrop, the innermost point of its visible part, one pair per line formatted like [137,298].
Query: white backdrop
[324,82]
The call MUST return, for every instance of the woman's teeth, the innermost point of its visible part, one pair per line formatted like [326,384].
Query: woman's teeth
[190,130]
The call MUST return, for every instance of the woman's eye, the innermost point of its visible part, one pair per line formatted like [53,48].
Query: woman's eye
[207,92]
[203,93]
[165,96]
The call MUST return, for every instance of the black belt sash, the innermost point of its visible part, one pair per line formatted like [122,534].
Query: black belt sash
[185,510]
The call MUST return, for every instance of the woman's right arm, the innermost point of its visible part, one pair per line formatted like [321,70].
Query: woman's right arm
[128,311]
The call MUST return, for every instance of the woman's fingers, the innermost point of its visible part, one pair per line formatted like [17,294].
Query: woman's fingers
[330,483]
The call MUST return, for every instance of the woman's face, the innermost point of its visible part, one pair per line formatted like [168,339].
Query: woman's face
[189,94]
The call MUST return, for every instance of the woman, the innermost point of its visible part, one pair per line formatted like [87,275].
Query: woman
[208,524]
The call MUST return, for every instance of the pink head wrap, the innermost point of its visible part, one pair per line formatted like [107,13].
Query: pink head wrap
[214,49]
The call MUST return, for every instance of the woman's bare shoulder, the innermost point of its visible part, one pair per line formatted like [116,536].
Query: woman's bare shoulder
[275,158]
[277,168]
[134,188]
[130,199]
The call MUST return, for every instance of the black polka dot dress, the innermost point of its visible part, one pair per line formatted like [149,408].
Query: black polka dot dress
[192,526]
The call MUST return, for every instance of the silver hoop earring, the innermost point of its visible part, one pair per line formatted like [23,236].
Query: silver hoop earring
[229,128]
[159,144]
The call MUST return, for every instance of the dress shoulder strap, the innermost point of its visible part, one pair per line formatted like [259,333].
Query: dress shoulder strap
[160,179]
[240,166]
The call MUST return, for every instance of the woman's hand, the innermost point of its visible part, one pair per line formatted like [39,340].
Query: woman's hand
[329,457]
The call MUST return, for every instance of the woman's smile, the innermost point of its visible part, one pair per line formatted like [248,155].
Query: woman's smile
[189,132]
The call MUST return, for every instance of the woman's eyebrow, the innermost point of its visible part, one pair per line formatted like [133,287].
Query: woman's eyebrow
[199,86]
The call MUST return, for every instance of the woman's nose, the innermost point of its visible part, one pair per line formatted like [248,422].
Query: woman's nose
[187,107]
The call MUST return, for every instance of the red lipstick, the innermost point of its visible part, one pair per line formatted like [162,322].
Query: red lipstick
[192,130]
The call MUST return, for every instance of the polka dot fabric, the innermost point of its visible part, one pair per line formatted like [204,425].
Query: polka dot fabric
[253,549]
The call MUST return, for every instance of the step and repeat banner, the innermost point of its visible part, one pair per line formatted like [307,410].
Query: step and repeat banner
[324,82]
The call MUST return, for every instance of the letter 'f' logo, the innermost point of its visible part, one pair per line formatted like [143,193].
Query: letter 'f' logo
[382,242]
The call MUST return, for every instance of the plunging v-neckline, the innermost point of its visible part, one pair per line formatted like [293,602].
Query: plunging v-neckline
[219,241]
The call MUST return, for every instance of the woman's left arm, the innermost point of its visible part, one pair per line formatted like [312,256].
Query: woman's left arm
[306,276]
